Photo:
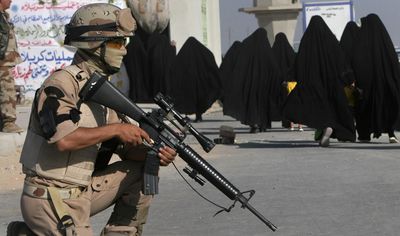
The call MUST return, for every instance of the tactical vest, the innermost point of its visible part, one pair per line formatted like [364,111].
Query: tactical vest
[76,167]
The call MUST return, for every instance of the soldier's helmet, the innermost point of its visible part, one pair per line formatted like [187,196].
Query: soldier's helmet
[93,24]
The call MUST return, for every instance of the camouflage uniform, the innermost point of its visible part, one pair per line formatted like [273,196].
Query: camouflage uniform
[119,183]
[62,189]
[10,58]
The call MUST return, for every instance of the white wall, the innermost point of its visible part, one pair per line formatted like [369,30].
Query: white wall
[187,18]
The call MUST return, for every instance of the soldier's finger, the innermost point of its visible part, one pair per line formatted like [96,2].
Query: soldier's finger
[145,136]
[163,163]
[166,157]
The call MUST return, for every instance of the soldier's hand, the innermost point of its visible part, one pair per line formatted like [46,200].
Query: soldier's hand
[167,155]
[132,134]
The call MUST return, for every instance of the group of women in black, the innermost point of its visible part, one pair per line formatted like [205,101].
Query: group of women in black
[341,87]
[190,78]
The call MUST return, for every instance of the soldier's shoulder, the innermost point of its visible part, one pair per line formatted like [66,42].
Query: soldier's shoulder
[61,78]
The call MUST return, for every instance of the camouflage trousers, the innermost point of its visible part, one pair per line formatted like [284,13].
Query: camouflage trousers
[119,183]
[7,95]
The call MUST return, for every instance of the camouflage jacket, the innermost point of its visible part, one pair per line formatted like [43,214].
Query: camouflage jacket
[4,34]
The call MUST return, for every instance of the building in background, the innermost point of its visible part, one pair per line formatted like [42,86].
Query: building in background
[200,19]
[276,16]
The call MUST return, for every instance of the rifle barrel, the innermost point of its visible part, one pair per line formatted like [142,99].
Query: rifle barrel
[219,181]
[246,204]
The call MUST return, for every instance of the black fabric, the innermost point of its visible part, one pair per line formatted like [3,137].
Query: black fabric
[160,57]
[147,62]
[136,66]
[47,117]
[105,153]
[321,72]
[75,32]
[349,39]
[377,72]
[74,116]
[194,80]
[55,92]
[254,81]
[284,56]
[226,68]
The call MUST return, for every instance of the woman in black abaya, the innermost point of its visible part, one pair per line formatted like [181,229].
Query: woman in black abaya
[254,84]
[377,72]
[347,42]
[226,71]
[285,56]
[136,66]
[160,54]
[195,82]
[321,72]
[349,39]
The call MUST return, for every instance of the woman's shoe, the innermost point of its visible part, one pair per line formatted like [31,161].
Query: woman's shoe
[324,142]
[393,140]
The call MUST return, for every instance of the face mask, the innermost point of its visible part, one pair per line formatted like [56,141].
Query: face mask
[113,58]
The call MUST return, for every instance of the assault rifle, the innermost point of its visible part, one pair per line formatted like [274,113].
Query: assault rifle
[98,89]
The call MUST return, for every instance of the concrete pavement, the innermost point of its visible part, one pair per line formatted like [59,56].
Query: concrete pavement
[347,189]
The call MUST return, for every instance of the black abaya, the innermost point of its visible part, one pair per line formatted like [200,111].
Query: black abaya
[251,92]
[285,56]
[136,66]
[321,72]
[195,82]
[376,67]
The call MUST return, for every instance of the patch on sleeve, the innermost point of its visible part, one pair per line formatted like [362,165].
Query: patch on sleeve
[55,92]
[49,116]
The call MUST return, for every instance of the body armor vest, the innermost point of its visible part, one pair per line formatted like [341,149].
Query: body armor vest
[76,167]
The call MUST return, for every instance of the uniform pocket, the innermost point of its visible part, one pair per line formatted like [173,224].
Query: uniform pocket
[100,183]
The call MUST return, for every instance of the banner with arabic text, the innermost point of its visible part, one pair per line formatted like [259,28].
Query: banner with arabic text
[39,29]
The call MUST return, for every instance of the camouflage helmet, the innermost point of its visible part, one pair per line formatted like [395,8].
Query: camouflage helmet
[93,24]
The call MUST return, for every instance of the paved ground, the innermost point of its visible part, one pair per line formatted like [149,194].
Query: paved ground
[348,189]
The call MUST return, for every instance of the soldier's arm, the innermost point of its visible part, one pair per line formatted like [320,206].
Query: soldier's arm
[57,99]
[85,137]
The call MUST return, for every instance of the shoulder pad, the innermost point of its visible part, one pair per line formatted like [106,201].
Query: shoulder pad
[76,72]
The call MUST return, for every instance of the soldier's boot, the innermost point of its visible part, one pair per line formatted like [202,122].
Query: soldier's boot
[19,228]
[11,127]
